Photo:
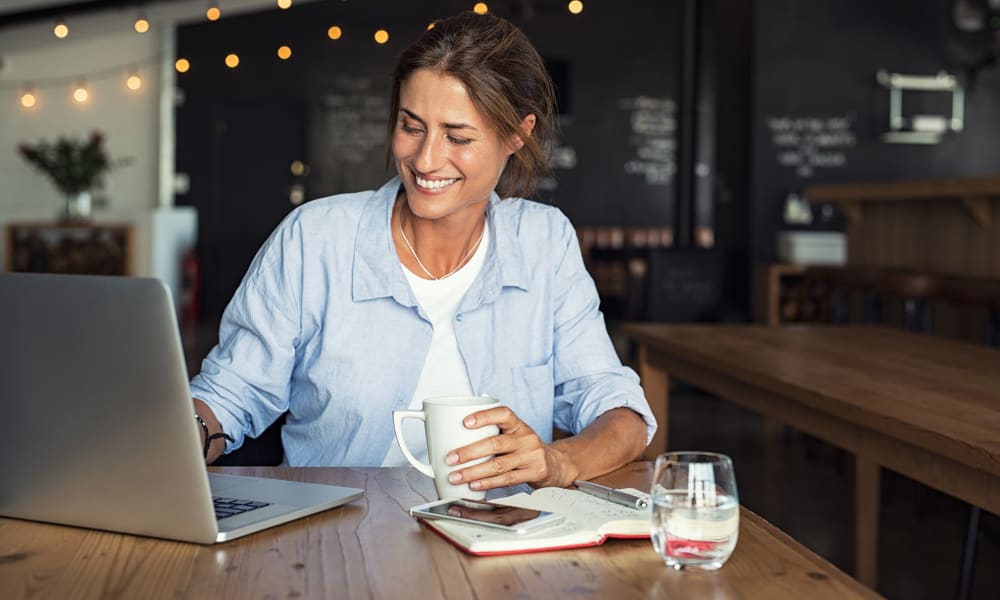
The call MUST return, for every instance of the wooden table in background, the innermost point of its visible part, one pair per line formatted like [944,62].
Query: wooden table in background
[371,548]
[923,406]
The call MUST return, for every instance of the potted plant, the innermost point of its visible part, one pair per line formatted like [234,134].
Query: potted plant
[76,167]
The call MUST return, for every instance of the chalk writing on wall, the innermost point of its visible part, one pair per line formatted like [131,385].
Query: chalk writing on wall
[653,124]
[355,120]
[807,144]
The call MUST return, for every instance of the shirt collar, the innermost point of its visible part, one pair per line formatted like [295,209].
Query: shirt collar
[379,274]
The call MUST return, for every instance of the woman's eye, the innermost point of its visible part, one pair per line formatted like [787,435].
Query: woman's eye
[457,140]
[410,129]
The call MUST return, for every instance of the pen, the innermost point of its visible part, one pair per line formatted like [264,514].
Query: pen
[612,495]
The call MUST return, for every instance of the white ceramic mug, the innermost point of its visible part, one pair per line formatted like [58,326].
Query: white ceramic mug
[443,425]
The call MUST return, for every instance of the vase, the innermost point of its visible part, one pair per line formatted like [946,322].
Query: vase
[76,207]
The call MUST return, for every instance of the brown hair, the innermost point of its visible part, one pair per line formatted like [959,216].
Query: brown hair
[506,80]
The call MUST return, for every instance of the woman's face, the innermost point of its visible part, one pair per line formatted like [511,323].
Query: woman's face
[448,155]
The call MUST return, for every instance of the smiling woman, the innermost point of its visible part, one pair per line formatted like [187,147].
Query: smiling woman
[443,282]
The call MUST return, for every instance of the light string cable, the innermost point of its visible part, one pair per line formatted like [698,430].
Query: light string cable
[68,80]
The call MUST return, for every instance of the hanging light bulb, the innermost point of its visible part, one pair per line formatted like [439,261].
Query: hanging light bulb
[182,65]
[232,60]
[431,25]
[213,13]
[133,81]
[284,52]
[28,99]
[80,92]
[381,36]
[61,30]
[284,4]
[334,32]
[575,7]
[480,8]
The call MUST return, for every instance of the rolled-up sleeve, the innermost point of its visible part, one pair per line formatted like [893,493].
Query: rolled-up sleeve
[246,377]
[589,377]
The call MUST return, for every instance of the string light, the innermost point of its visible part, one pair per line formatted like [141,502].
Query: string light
[334,32]
[284,4]
[134,81]
[381,36]
[81,93]
[232,60]
[431,25]
[182,65]
[61,30]
[284,52]
[28,98]
[480,8]
[141,24]
[213,13]
[575,7]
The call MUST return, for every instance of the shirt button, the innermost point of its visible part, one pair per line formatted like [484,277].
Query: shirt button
[458,317]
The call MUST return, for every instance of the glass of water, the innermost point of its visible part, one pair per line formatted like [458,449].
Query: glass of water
[696,510]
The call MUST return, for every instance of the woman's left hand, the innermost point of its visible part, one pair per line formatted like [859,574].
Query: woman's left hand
[519,455]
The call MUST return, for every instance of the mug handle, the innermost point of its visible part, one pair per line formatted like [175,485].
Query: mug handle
[397,423]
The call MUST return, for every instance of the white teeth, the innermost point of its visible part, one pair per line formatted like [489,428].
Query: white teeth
[434,185]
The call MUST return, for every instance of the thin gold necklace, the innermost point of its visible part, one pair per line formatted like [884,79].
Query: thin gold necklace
[420,263]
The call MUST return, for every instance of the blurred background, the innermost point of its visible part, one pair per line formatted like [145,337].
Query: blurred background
[707,154]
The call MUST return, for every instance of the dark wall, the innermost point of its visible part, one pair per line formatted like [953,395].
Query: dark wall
[815,66]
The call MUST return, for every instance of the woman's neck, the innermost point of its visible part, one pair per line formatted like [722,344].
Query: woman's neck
[436,248]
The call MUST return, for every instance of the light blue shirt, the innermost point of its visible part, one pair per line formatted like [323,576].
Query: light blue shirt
[325,326]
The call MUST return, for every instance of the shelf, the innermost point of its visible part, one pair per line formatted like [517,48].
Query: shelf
[973,193]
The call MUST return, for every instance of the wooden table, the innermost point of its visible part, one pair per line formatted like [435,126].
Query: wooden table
[372,549]
[923,406]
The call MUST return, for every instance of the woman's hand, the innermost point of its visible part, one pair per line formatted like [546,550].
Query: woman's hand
[519,455]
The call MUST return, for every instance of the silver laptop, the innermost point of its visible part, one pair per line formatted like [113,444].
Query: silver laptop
[97,426]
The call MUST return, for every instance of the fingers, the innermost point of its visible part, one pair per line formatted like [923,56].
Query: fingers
[502,416]
[518,455]
[526,465]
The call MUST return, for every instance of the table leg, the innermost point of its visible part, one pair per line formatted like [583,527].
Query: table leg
[656,384]
[866,507]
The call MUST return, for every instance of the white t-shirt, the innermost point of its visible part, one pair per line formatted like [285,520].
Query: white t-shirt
[444,372]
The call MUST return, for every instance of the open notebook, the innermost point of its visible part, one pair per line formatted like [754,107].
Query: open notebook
[589,521]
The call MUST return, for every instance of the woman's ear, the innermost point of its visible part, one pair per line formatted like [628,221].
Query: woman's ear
[527,125]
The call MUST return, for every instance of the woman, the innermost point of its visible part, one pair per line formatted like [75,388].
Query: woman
[361,304]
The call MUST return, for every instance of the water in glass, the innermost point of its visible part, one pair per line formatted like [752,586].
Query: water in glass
[695,516]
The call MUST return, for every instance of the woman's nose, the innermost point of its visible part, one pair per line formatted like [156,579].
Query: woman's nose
[429,155]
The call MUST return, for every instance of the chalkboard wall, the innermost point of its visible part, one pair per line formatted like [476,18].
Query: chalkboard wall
[819,112]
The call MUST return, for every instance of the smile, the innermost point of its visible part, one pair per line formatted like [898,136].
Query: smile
[434,184]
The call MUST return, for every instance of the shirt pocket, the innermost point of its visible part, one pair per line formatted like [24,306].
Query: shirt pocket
[533,378]
[532,395]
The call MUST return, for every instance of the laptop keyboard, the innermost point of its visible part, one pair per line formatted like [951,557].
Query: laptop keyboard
[230,507]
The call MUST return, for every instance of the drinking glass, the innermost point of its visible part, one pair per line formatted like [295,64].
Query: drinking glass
[696,510]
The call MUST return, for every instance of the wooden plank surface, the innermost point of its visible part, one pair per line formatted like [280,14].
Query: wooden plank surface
[936,394]
[372,549]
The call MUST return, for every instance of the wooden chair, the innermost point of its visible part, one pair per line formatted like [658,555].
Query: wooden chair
[917,291]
